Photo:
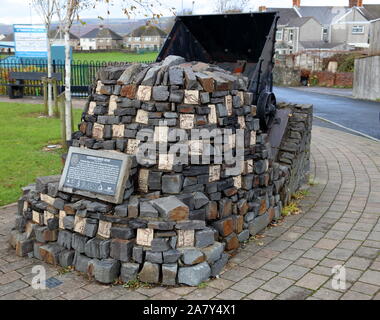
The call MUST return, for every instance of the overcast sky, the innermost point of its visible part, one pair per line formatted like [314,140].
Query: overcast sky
[20,11]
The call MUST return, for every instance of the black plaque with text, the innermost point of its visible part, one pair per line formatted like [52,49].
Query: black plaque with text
[98,174]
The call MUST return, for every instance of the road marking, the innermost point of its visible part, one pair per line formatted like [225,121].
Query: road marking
[352,130]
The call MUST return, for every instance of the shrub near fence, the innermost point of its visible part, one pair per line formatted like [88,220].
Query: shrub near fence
[82,74]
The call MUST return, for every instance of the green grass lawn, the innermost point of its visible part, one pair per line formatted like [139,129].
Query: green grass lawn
[23,136]
[115,56]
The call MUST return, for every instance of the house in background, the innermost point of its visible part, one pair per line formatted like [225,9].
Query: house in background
[146,37]
[2,36]
[101,38]
[57,37]
[330,29]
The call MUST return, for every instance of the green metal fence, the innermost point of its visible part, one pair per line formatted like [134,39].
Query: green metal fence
[83,74]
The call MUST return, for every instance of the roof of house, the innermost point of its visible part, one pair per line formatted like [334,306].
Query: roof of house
[286,14]
[300,21]
[325,15]
[53,32]
[370,12]
[102,33]
[146,31]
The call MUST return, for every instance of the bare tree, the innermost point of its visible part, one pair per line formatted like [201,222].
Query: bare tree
[68,10]
[46,10]
[231,6]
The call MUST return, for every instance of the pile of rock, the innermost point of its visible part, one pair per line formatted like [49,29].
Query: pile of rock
[179,220]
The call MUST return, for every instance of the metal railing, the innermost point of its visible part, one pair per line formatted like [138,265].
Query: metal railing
[83,74]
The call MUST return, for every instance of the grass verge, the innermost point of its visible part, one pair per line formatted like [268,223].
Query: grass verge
[24,133]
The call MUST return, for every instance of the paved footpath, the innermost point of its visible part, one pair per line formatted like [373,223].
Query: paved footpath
[294,260]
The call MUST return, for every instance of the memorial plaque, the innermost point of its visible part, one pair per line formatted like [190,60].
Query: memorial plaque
[143,180]
[228,103]
[79,224]
[142,116]
[212,117]
[144,237]
[214,173]
[241,121]
[191,97]
[118,130]
[91,107]
[97,131]
[112,105]
[165,161]
[237,182]
[104,229]
[186,121]
[253,138]
[185,238]
[62,215]
[132,146]
[96,174]
[161,134]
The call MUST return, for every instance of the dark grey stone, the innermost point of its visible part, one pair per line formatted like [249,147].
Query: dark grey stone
[169,274]
[243,236]
[200,199]
[258,224]
[122,233]
[150,273]
[171,256]
[66,258]
[147,210]
[154,257]
[192,256]
[213,252]
[160,244]
[81,262]
[194,275]
[129,271]
[68,222]
[138,254]
[107,270]
[204,238]
[65,239]
[218,265]
[172,184]
[161,225]
[160,93]
[191,224]
[121,249]
[78,242]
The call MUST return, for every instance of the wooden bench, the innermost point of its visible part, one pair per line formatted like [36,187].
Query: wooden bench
[16,90]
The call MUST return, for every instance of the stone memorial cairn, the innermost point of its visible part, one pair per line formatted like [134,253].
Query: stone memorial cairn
[178,222]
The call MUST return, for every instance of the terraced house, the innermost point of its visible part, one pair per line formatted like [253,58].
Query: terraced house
[145,37]
[324,28]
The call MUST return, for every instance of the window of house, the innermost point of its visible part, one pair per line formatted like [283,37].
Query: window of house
[290,35]
[357,29]
[147,38]
[279,34]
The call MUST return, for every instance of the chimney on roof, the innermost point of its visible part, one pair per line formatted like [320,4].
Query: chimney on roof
[296,3]
[262,8]
[355,3]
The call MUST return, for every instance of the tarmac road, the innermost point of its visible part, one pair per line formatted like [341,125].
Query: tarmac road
[359,115]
